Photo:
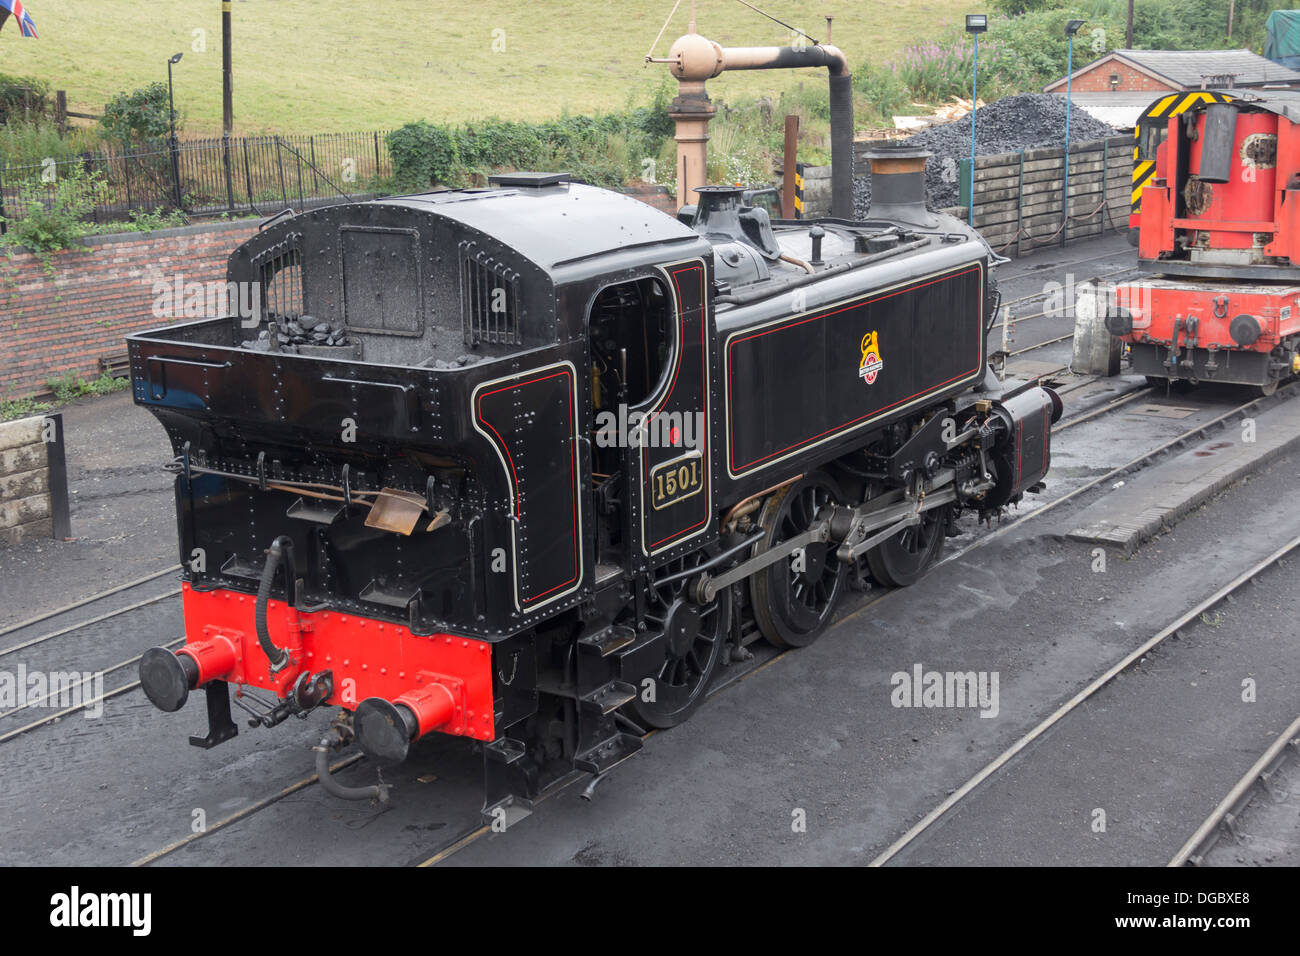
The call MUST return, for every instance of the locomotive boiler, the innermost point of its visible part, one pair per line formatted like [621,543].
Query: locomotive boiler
[529,464]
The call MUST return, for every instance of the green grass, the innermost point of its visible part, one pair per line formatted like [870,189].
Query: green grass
[68,388]
[315,67]
[14,408]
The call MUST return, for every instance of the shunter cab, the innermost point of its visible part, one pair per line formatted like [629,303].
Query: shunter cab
[1149,132]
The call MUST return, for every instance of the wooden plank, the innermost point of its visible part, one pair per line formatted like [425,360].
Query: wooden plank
[1034,192]
[1011,175]
[998,233]
[22,458]
[23,431]
[40,528]
[1040,154]
[24,484]
[1044,211]
[22,510]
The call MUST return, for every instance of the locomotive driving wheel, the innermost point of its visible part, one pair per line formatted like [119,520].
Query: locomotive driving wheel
[695,637]
[901,560]
[795,597]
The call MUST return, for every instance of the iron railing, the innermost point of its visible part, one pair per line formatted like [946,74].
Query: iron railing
[257,174]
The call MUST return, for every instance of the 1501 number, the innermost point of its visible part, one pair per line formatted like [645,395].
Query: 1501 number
[675,480]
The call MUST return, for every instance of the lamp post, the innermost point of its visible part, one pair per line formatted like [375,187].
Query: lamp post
[174,144]
[976,23]
[1071,28]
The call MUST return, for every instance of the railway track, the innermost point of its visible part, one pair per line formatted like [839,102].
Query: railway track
[1123,252]
[85,602]
[1083,696]
[1043,295]
[12,647]
[14,642]
[1224,817]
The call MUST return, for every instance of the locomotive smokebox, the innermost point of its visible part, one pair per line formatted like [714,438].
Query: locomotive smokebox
[898,185]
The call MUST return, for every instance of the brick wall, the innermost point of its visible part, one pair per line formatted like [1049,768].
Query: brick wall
[658,196]
[1097,80]
[61,324]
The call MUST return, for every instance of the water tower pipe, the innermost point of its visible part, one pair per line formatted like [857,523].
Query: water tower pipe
[693,59]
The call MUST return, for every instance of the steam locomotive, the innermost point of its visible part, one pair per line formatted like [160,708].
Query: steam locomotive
[529,464]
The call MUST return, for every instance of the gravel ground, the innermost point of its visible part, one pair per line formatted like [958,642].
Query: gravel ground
[123,512]
[1009,125]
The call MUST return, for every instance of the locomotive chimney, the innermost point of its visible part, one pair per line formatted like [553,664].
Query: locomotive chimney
[898,185]
[718,213]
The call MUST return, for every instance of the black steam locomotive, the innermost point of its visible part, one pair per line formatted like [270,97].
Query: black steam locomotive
[528,464]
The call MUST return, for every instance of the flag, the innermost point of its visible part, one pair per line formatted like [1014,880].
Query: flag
[26,26]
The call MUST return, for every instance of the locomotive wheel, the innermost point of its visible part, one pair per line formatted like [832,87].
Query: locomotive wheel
[901,560]
[1264,391]
[696,640]
[793,606]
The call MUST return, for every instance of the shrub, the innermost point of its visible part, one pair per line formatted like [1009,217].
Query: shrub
[23,98]
[28,144]
[1018,54]
[881,88]
[937,71]
[70,387]
[54,213]
[606,150]
[12,408]
[422,154]
[139,116]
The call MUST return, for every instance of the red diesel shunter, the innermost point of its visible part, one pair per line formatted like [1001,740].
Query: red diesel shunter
[1220,242]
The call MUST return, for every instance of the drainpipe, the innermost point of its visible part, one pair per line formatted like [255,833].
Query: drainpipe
[693,59]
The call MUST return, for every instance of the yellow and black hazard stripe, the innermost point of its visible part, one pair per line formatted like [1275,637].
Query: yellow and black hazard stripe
[798,191]
[1149,132]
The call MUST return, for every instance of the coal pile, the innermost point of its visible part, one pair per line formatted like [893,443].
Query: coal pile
[292,333]
[1008,125]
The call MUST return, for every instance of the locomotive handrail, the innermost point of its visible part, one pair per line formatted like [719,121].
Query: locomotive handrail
[409,392]
[777,286]
[286,211]
[159,390]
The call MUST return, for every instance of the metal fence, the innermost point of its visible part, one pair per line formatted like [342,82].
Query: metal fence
[256,174]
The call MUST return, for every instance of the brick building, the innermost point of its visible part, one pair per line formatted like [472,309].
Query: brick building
[1173,71]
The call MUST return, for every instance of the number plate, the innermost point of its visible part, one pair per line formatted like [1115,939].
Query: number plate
[676,480]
